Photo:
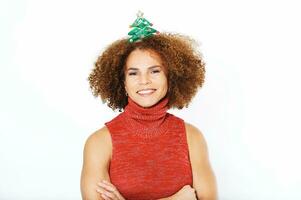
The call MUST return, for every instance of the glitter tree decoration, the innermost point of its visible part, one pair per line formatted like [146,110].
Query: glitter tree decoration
[141,29]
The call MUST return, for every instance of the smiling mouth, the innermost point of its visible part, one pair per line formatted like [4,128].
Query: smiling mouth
[146,92]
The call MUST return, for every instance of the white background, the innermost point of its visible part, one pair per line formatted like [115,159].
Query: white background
[248,109]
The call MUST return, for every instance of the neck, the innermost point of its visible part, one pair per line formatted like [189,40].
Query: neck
[143,119]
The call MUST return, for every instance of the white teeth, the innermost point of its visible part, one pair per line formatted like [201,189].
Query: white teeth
[146,91]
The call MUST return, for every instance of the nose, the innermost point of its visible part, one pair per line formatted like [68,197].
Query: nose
[144,79]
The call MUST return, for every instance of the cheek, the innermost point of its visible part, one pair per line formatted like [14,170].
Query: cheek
[129,84]
[164,81]
[163,85]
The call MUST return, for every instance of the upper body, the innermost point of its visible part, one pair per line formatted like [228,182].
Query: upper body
[147,72]
[98,154]
[150,156]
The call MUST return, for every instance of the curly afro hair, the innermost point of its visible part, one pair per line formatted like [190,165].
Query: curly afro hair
[184,63]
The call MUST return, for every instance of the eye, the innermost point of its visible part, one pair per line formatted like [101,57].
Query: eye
[132,73]
[156,71]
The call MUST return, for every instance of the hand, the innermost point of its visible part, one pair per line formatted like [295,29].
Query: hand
[186,193]
[108,191]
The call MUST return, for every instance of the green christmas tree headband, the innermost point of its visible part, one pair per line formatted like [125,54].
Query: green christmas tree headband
[141,29]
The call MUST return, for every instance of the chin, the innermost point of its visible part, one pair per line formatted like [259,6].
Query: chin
[146,102]
[148,105]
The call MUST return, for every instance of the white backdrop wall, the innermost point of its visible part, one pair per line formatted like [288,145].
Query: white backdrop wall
[248,109]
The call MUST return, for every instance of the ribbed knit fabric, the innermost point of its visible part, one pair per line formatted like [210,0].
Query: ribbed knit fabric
[150,157]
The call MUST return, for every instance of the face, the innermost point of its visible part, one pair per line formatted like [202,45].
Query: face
[145,77]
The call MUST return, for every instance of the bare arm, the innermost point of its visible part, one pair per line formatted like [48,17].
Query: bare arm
[204,181]
[97,155]
[96,158]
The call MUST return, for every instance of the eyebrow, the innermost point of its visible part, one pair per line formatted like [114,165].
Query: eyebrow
[133,68]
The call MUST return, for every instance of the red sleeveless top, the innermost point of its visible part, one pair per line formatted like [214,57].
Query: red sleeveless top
[150,157]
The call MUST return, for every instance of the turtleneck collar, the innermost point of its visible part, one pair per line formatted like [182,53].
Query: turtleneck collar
[146,121]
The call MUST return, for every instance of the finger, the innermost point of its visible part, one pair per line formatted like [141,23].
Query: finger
[110,195]
[105,197]
[106,194]
[106,186]
[108,190]
[113,189]
[108,183]
[103,192]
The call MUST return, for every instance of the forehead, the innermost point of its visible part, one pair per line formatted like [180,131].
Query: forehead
[143,58]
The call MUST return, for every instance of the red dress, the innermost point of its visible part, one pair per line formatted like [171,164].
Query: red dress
[150,157]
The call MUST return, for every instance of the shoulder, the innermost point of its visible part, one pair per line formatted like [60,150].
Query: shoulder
[195,139]
[194,133]
[100,135]
[99,142]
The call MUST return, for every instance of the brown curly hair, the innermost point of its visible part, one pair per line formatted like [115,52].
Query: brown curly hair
[185,65]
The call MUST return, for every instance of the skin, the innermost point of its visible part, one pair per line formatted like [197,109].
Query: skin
[144,69]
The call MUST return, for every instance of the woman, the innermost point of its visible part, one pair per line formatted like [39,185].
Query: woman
[146,152]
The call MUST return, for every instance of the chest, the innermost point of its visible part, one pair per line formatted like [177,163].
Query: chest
[150,170]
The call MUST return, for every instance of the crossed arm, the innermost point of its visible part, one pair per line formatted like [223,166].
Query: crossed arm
[97,155]
[204,181]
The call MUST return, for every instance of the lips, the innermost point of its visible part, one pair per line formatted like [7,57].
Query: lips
[146,91]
